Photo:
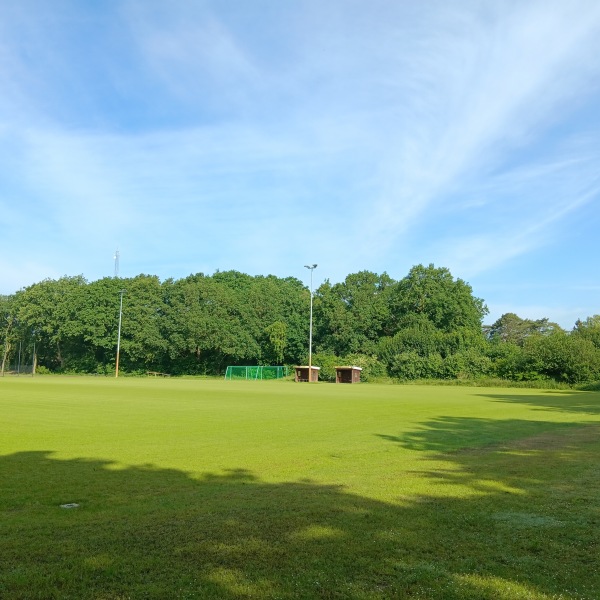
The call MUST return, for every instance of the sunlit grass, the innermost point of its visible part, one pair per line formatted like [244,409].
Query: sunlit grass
[212,489]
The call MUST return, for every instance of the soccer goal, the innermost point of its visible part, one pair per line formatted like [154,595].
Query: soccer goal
[256,372]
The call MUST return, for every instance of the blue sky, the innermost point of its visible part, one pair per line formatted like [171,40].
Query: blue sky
[265,135]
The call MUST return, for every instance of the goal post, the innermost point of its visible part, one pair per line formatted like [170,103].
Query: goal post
[255,372]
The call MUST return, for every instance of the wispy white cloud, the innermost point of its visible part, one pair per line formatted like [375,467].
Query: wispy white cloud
[530,208]
[201,137]
[236,194]
[192,53]
[486,87]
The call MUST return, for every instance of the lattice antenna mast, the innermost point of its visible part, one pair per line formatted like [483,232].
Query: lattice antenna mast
[116,257]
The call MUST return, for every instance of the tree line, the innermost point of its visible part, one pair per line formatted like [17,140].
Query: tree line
[427,325]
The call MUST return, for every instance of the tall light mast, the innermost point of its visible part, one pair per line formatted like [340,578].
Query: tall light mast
[311,268]
[121,292]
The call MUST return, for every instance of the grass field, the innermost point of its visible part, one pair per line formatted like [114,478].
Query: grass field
[211,489]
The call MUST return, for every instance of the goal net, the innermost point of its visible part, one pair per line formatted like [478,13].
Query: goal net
[256,372]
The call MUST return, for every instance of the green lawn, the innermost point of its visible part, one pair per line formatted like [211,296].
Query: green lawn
[211,489]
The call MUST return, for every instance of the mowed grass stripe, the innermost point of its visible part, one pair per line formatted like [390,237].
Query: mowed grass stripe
[212,489]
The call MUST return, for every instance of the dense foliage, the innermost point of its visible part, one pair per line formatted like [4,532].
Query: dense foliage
[427,325]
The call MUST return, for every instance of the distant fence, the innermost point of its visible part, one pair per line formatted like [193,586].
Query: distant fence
[18,370]
[256,372]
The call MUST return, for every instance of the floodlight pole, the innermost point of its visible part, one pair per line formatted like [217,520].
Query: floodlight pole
[121,292]
[311,268]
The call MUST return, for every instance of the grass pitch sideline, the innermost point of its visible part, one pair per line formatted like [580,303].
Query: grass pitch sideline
[211,489]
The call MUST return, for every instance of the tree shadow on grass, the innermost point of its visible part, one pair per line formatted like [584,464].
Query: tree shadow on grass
[147,532]
[554,400]
[450,434]
[536,482]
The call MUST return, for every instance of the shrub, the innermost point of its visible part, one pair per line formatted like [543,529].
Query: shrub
[327,362]
[410,365]
[372,368]
[563,357]
[466,364]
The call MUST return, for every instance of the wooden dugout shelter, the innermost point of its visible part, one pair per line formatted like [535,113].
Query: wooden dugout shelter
[348,374]
[301,373]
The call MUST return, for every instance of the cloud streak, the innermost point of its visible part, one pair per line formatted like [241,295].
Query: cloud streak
[485,89]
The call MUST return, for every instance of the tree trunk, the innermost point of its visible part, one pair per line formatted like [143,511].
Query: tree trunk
[61,360]
[7,347]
